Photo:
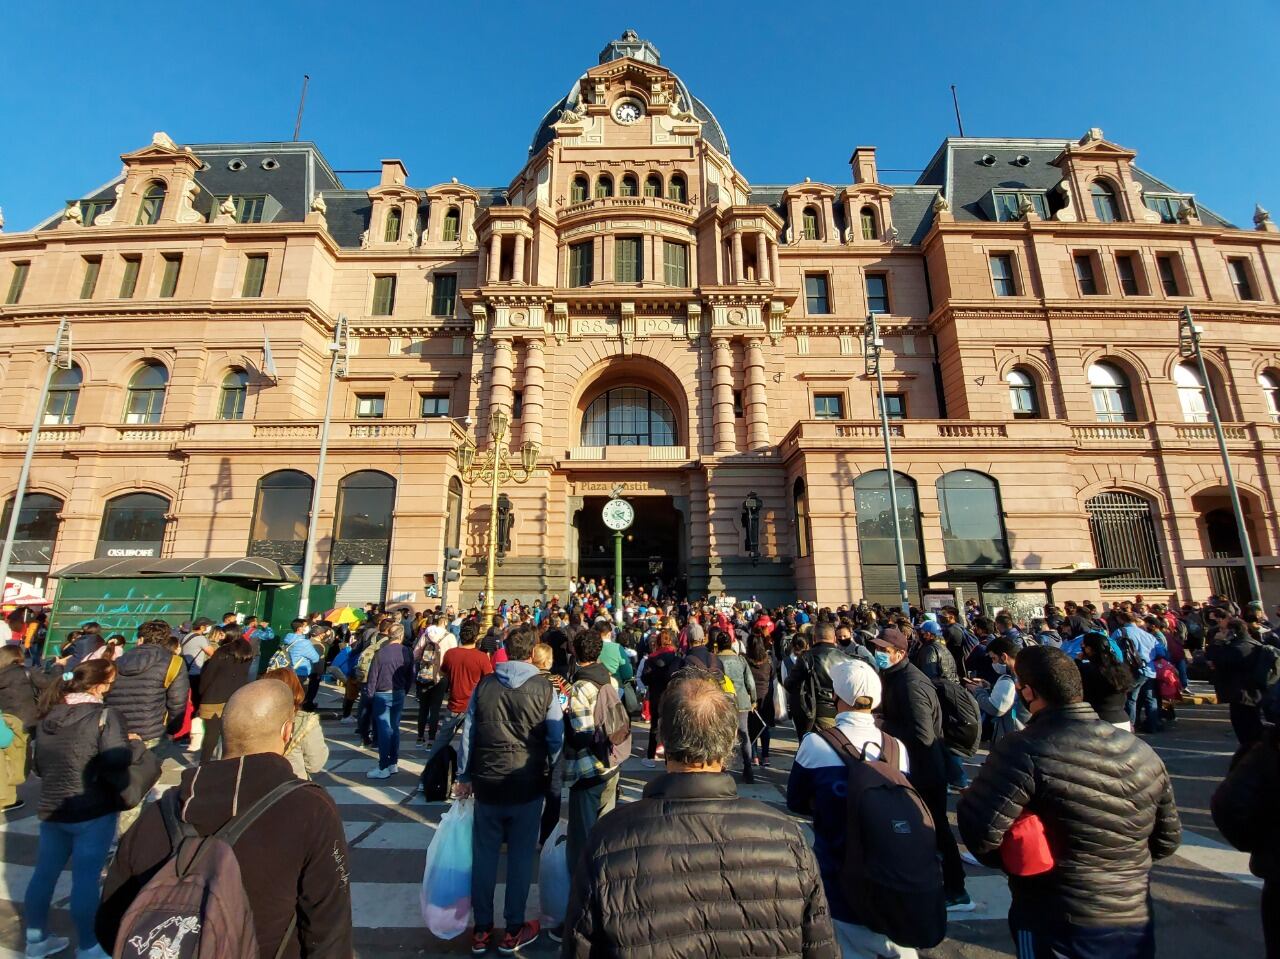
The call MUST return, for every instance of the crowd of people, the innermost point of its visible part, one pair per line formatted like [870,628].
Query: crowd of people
[888,708]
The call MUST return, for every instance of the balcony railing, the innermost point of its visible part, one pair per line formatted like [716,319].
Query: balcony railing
[629,454]
[627,203]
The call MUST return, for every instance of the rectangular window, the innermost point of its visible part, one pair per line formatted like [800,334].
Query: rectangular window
[169,279]
[737,404]
[370,406]
[444,290]
[675,263]
[255,272]
[433,406]
[1241,278]
[1009,205]
[1166,206]
[384,295]
[582,263]
[92,268]
[249,209]
[1085,275]
[1002,274]
[877,293]
[828,406]
[895,405]
[517,404]
[628,264]
[129,282]
[90,210]
[17,282]
[1167,265]
[816,299]
[1128,273]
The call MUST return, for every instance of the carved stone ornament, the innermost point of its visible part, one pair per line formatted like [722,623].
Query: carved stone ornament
[108,216]
[1261,219]
[162,139]
[569,116]
[2,218]
[412,236]
[893,234]
[364,240]
[318,205]
[1187,213]
[941,204]
[1092,135]
[187,212]
[227,207]
[1026,209]
[73,214]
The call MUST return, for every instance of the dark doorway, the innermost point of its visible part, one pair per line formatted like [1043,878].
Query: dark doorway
[1230,582]
[651,548]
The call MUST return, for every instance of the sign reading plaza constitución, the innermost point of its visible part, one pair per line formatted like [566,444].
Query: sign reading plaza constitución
[618,514]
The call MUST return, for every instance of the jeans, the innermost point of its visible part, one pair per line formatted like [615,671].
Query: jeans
[744,747]
[517,825]
[364,717]
[586,805]
[956,776]
[430,699]
[1142,696]
[1107,942]
[935,798]
[386,708]
[86,844]
[1183,677]
[1246,723]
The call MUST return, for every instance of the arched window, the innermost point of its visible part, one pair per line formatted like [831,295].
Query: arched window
[392,232]
[676,189]
[1023,395]
[231,397]
[1112,397]
[37,532]
[152,203]
[280,514]
[133,525]
[628,416]
[804,533]
[1191,393]
[604,186]
[870,223]
[1269,380]
[876,541]
[653,185]
[451,228]
[64,394]
[1125,536]
[453,514]
[145,400]
[630,185]
[973,531]
[809,221]
[578,189]
[1105,207]
[365,502]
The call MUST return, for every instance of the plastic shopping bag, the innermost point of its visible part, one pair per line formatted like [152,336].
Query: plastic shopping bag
[779,702]
[553,876]
[446,880]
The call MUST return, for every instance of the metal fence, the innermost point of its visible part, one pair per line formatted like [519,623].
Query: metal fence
[1125,535]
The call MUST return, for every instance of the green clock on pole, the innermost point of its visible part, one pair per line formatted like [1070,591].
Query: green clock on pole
[618,515]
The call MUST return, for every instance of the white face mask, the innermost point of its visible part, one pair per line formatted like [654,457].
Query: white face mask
[1000,668]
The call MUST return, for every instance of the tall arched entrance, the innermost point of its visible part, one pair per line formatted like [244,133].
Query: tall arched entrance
[1221,540]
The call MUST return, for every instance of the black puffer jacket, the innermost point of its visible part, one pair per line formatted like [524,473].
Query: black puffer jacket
[18,694]
[1107,805]
[814,668]
[935,661]
[139,692]
[83,761]
[1244,806]
[692,871]
[910,711]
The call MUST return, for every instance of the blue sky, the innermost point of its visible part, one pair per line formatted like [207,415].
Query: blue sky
[456,90]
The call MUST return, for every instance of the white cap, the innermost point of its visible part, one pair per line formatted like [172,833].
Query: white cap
[854,680]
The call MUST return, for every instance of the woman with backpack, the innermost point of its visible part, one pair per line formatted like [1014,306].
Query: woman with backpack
[760,663]
[430,683]
[225,672]
[83,757]
[1105,677]
[737,672]
[306,749]
[660,665]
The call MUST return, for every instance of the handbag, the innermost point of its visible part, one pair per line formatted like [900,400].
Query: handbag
[780,710]
[141,775]
[1025,849]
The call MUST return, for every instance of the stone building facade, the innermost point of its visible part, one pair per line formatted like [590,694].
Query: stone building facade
[649,319]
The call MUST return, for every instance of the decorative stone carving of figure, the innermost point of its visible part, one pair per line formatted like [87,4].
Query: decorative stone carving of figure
[941,204]
[1261,218]
[162,139]
[2,218]
[364,240]
[318,205]
[187,212]
[72,214]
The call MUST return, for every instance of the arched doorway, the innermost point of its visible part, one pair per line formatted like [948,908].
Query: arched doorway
[876,540]
[653,548]
[133,525]
[279,529]
[1221,540]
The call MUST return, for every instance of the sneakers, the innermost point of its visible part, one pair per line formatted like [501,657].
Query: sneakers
[481,942]
[346,720]
[556,933]
[376,773]
[48,946]
[647,764]
[15,805]
[960,903]
[513,942]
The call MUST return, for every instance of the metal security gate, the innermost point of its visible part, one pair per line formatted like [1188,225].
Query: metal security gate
[360,583]
[1124,535]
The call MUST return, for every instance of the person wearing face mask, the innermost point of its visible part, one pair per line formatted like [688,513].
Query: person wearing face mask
[910,711]
[999,700]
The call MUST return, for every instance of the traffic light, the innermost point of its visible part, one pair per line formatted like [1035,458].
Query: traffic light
[452,564]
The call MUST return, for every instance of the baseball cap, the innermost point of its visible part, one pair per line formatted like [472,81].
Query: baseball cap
[856,683]
[891,638]
[929,626]
[202,621]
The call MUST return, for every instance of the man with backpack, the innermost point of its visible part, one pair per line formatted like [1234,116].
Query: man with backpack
[296,652]
[810,679]
[274,878]
[851,780]
[1138,648]
[597,742]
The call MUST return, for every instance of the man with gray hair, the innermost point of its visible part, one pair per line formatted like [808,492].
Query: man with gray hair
[690,869]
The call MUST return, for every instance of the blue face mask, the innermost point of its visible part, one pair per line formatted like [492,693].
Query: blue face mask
[882,661]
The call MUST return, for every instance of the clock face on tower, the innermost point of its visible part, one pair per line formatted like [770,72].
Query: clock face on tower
[618,514]
[627,111]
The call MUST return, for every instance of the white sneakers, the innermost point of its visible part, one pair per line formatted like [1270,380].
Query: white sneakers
[48,946]
[376,773]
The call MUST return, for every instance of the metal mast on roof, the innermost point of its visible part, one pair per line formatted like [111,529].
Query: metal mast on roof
[955,100]
[302,102]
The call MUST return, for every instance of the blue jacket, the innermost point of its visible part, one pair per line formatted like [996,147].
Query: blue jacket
[1144,643]
[301,652]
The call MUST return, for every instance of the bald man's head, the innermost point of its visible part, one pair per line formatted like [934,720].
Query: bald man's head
[258,719]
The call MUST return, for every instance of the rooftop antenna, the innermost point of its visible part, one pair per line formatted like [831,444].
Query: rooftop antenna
[955,100]
[302,102]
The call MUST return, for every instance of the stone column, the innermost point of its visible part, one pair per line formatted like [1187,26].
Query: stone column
[762,258]
[773,261]
[535,366]
[517,261]
[722,395]
[737,258]
[829,224]
[757,397]
[495,258]
[500,377]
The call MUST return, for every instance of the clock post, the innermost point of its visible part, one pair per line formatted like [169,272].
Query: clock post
[617,577]
[618,515]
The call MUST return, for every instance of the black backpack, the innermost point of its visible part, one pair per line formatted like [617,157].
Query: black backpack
[438,775]
[891,877]
[961,717]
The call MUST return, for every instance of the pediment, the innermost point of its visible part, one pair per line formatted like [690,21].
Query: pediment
[1093,147]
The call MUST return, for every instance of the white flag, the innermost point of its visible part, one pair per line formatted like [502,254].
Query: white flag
[268,361]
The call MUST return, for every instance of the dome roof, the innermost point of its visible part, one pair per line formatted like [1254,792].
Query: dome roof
[629,45]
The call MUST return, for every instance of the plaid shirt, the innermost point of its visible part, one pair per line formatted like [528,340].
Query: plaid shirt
[580,763]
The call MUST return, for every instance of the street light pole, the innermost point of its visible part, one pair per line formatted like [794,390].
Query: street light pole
[873,345]
[61,343]
[1189,346]
[337,368]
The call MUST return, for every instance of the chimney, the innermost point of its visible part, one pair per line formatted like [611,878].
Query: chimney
[393,173]
[863,163]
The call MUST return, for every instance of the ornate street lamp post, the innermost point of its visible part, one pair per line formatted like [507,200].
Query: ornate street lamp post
[494,469]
